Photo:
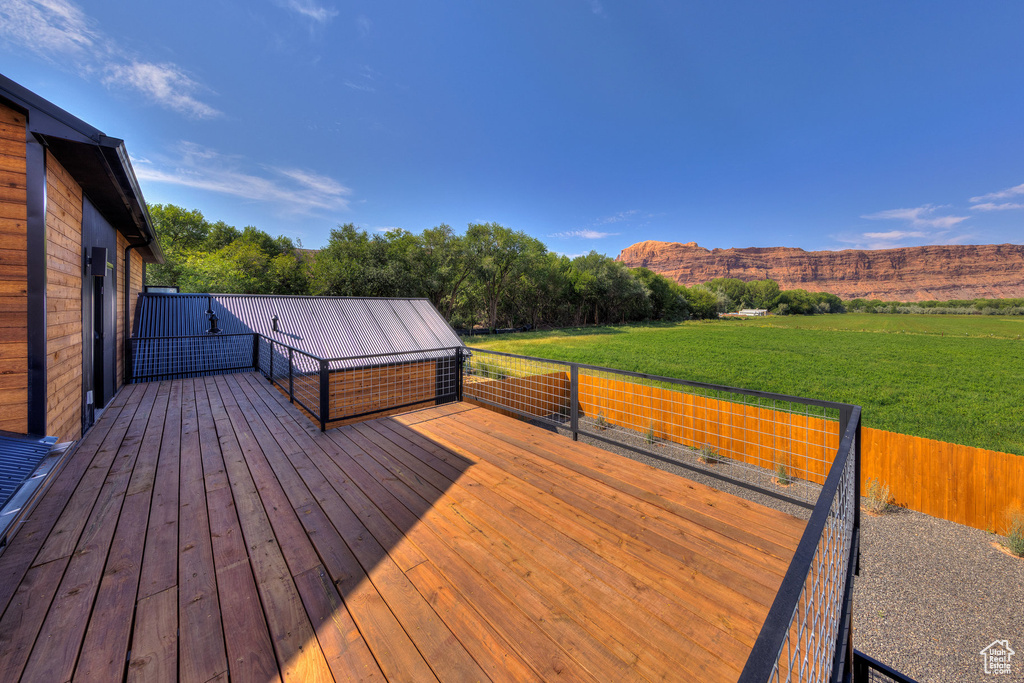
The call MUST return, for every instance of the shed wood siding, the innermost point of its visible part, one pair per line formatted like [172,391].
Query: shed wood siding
[13,274]
[369,390]
[63,303]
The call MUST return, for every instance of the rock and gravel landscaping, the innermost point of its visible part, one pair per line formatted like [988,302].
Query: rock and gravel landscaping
[932,595]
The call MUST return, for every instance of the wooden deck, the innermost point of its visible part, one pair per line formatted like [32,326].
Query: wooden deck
[205,530]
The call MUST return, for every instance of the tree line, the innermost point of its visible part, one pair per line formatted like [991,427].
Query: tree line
[489,274]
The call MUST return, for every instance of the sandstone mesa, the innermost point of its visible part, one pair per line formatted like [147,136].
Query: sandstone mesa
[938,272]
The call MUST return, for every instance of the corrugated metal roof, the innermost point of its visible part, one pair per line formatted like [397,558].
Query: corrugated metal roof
[327,327]
[19,456]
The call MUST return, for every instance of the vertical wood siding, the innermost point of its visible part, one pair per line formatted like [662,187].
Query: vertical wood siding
[13,274]
[63,303]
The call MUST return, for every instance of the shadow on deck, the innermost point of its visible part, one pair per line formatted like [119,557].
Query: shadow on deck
[204,529]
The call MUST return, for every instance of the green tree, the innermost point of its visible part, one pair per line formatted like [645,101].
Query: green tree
[499,256]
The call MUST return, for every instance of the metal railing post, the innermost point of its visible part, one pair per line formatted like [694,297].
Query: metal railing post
[291,375]
[271,364]
[325,394]
[574,401]
[255,351]
[458,370]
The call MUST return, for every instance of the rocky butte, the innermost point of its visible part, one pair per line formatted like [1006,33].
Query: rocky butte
[939,272]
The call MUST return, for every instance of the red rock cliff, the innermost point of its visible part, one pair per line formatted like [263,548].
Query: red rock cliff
[939,272]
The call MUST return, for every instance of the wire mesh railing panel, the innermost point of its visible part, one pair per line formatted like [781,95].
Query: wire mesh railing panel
[771,442]
[392,383]
[157,358]
[812,629]
[529,387]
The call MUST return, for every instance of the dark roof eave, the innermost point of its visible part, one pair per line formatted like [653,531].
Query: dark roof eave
[100,164]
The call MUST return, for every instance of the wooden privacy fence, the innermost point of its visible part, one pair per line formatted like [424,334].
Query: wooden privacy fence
[963,484]
[966,485]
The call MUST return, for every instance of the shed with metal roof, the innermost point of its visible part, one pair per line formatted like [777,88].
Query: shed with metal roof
[378,353]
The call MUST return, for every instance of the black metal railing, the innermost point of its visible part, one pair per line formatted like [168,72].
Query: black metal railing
[330,390]
[175,357]
[779,445]
[801,450]
[869,670]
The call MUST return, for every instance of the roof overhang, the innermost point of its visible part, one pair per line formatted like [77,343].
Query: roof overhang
[98,163]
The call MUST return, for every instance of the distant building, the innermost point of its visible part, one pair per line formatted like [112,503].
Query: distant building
[751,312]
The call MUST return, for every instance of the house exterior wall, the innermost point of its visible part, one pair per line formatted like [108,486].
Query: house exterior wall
[64,263]
[13,273]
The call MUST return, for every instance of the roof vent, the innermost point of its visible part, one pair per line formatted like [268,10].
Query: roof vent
[273,324]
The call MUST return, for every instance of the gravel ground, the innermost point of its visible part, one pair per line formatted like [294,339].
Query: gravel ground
[931,594]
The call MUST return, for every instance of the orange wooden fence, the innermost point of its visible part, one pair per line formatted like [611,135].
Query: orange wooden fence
[966,485]
[803,444]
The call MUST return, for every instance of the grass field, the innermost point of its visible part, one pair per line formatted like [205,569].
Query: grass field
[953,378]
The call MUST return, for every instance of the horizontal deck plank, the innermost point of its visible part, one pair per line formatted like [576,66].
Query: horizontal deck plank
[211,530]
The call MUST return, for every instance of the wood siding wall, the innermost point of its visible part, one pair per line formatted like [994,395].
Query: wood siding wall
[63,303]
[962,484]
[13,274]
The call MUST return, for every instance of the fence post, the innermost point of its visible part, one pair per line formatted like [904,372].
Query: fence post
[291,376]
[458,378]
[129,362]
[255,351]
[325,394]
[574,401]
[271,363]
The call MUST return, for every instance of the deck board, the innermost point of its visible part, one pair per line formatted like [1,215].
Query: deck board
[209,529]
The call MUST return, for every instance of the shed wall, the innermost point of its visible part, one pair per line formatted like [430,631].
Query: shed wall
[13,273]
[63,303]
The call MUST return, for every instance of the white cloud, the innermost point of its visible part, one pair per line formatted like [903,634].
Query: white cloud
[893,235]
[1002,194]
[57,30]
[364,87]
[989,206]
[165,84]
[293,190]
[618,218]
[584,234]
[596,7]
[311,10]
[47,27]
[364,24]
[922,226]
[918,217]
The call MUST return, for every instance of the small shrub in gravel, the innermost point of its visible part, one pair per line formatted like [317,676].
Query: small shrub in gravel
[649,435]
[709,455]
[1015,532]
[602,423]
[782,476]
[877,498]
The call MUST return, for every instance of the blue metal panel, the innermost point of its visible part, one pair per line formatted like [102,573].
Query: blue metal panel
[19,457]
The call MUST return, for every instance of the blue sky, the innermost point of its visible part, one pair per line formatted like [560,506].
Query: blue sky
[589,124]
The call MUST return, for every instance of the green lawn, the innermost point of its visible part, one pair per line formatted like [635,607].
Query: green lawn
[952,378]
